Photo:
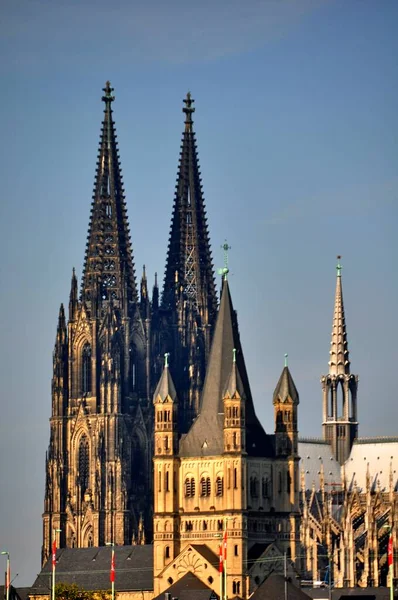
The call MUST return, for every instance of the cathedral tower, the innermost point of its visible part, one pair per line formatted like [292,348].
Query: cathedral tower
[225,475]
[339,386]
[189,301]
[98,463]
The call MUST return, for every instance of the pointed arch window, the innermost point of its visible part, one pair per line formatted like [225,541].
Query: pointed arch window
[254,485]
[84,463]
[86,368]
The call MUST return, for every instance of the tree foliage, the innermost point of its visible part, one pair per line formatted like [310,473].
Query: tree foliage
[70,591]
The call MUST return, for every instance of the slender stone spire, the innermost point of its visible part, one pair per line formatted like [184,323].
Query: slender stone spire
[109,257]
[339,363]
[189,267]
[339,386]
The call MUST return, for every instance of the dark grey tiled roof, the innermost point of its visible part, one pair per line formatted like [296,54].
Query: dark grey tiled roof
[285,387]
[207,554]
[20,593]
[205,438]
[189,587]
[342,593]
[273,588]
[89,568]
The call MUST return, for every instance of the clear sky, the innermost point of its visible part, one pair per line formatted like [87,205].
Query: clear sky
[296,121]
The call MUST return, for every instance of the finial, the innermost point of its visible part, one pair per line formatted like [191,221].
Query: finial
[225,270]
[156,279]
[166,359]
[143,272]
[338,267]
[188,110]
[234,355]
[286,355]
[107,97]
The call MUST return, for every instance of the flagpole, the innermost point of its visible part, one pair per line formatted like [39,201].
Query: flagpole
[220,569]
[8,576]
[390,554]
[225,559]
[54,561]
[113,578]
[112,574]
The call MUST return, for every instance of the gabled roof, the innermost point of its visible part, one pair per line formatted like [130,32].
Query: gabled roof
[285,387]
[205,438]
[273,588]
[189,587]
[89,568]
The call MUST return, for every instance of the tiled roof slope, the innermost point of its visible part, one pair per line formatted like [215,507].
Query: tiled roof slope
[273,588]
[89,568]
[205,438]
[189,587]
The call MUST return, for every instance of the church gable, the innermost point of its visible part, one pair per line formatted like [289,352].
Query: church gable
[263,560]
[195,558]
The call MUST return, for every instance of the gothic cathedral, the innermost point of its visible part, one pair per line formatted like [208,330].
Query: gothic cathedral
[108,357]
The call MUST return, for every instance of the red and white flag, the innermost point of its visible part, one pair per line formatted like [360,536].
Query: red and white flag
[390,551]
[112,573]
[225,544]
[8,576]
[54,553]
[221,565]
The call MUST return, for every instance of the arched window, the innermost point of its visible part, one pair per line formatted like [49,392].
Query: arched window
[84,463]
[219,486]
[167,552]
[86,368]
[189,487]
[205,486]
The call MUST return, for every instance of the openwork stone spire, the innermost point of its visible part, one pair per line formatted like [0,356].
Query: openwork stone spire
[108,267]
[189,268]
[339,363]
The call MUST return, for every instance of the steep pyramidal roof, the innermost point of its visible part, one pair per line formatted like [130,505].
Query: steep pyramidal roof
[189,268]
[339,363]
[165,388]
[234,385]
[285,387]
[206,434]
[108,267]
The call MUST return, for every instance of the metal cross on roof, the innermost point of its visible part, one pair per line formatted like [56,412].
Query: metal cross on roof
[225,270]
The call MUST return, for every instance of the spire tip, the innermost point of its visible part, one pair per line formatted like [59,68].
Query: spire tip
[188,110]
[166,359]
[108,97]
[338,267]
[286,356]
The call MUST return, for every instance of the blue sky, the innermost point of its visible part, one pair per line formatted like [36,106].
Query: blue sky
[297,136]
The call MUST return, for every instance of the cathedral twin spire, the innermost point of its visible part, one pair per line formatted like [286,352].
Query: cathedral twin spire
[108,272]
[189,271]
